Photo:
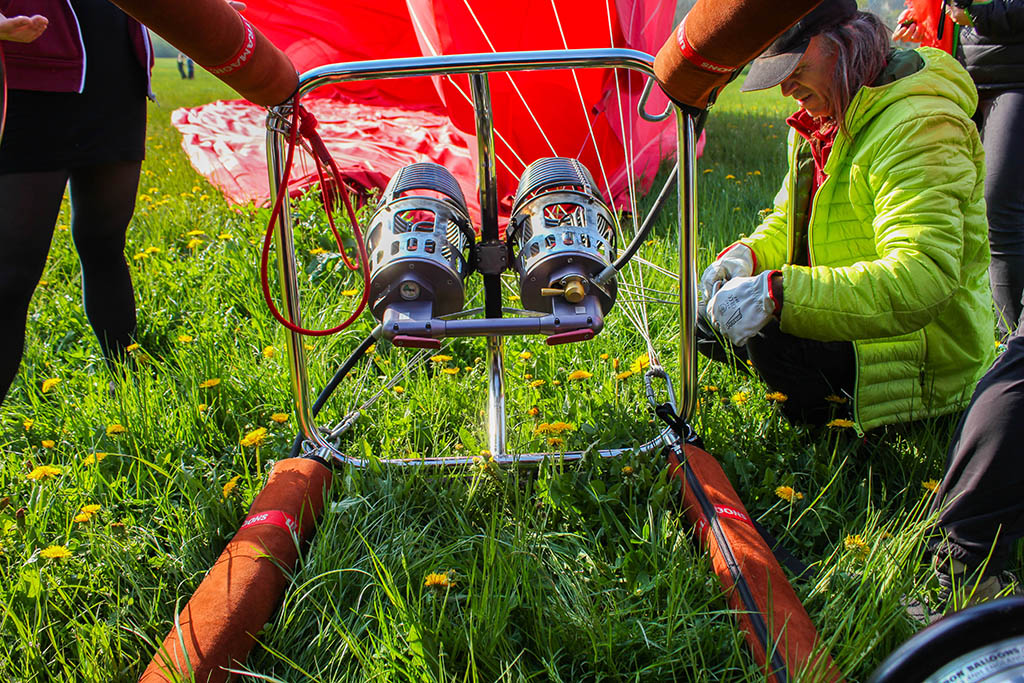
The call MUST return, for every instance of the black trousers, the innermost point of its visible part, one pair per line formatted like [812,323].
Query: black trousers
[805,370]
[1000,119]
[981,498]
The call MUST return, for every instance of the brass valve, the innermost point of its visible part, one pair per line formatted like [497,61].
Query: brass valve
[573,290]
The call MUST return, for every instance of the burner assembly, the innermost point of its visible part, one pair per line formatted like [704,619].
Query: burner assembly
[422,247]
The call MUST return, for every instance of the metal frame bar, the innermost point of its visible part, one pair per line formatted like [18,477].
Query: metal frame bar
[478,66]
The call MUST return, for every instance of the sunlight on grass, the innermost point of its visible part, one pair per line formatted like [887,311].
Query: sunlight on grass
[560,573]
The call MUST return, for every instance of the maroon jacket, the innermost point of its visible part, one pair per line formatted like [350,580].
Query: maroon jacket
[55,61]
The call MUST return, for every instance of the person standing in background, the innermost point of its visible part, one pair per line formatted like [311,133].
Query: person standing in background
[992,49]
[181,65]
[76,117]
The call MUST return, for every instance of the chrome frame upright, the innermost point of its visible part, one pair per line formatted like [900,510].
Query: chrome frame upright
[478,66]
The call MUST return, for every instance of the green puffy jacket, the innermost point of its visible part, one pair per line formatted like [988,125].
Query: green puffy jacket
[898,242]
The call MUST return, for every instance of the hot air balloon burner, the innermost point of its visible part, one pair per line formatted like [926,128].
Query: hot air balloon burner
[419,245]
[563,234]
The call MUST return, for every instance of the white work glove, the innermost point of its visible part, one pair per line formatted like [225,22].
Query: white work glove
[735,261]
[743,306]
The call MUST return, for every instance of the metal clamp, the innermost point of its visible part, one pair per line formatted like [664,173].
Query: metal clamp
[641,107]
[492,257]
[652,395]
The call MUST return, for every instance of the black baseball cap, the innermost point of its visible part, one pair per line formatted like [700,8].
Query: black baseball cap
[780,59]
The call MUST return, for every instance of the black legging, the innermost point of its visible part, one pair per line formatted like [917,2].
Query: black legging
[1000,119]
[102,203]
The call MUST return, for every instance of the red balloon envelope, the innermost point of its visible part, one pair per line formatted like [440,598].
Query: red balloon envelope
[589,114]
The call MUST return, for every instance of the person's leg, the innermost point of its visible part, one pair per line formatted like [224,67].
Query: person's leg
[31,203]
[102,203]
[805,370]
[1002,129]
[980,501]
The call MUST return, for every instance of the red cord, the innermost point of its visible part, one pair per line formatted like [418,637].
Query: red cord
[308,124]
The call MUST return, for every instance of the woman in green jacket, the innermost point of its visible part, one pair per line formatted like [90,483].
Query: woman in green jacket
[868,281]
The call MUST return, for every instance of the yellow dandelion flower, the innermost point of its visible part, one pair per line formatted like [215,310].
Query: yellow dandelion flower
[349,292]
[525,355]
[840,423]
[139,256]
[193,243]
[627,470]
[225,236]
[27,424]
[641,362]
[317,251]
[450,371]
[370,349]
[556,442]
[709,170]
[91,508]
[514,297]
[55,552]
[185,338]
[93,458]
[855,544]
[269,351]
[279,418]
[604,356]
[254,438]
[209,383]
[776,396]
[50,383]
[537,383]
[555,383]
[82,517]
[932,485]
[730,176]
[740,397]
[459,446]
[399,389]
[832,398]
[440,358]
[131,348]
[438,581]
[527,376]
[788,494]
[202,407]
[153,250]
[115,428]
[710,388]
[47,443]
[43,472]
[145,198]
[230,486]
[615,363]
[533,412]
[194,233]
[195,188]
[577,375]
[623,375]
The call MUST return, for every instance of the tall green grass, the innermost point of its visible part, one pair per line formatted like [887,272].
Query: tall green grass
[564,573]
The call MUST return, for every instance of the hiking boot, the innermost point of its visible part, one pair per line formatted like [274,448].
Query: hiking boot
[961,586]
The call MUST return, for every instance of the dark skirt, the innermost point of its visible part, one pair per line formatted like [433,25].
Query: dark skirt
[106,122]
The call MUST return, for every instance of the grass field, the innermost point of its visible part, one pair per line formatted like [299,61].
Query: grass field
[563,573]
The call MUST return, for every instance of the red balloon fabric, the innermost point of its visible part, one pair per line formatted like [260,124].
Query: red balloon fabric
[374,128]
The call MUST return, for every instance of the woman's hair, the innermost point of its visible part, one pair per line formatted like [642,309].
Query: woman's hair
[861,47]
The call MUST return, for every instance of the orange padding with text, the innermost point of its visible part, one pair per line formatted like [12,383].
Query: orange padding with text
[727,32]
[215,35]
[789,626]
[244,586]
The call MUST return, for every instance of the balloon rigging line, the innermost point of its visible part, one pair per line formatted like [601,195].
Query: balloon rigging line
[522,98]
[583,103]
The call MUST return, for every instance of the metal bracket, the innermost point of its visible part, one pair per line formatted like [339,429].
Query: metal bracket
[492,257]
